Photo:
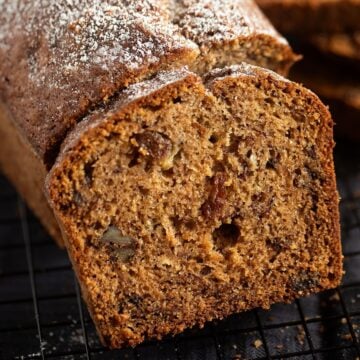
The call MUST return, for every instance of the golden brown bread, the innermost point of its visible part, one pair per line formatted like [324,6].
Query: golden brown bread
[183,202]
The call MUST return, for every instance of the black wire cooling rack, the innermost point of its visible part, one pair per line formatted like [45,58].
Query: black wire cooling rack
[42,315]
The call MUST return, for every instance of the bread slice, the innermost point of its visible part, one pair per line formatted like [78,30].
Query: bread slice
[300,17]
[184,202]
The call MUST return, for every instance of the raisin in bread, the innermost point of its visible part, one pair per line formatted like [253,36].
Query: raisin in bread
[187,200]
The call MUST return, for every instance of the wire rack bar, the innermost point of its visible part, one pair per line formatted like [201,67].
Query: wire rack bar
[25,231]
[81,314]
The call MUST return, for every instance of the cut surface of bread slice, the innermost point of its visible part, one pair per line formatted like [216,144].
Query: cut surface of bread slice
[185,201]
[302,17]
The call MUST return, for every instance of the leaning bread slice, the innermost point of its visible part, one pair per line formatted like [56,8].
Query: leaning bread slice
[184,202]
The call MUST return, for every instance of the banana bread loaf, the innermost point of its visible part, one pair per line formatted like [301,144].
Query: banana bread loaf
[187,200]
[180,200]
[59,60]
[302,17]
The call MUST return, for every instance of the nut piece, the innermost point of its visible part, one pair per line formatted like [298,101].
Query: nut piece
[168,161]
[123,247]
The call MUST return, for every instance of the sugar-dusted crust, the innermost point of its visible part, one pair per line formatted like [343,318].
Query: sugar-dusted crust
[202,278]
[224,29]
[312,16]
[59,59]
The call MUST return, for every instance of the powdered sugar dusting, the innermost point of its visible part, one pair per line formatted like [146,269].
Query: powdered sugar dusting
[213,21]
[73,35]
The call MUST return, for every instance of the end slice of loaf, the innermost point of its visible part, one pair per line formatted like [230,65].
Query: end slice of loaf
[187,201]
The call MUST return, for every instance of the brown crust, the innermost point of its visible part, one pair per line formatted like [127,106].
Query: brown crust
[60,57]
